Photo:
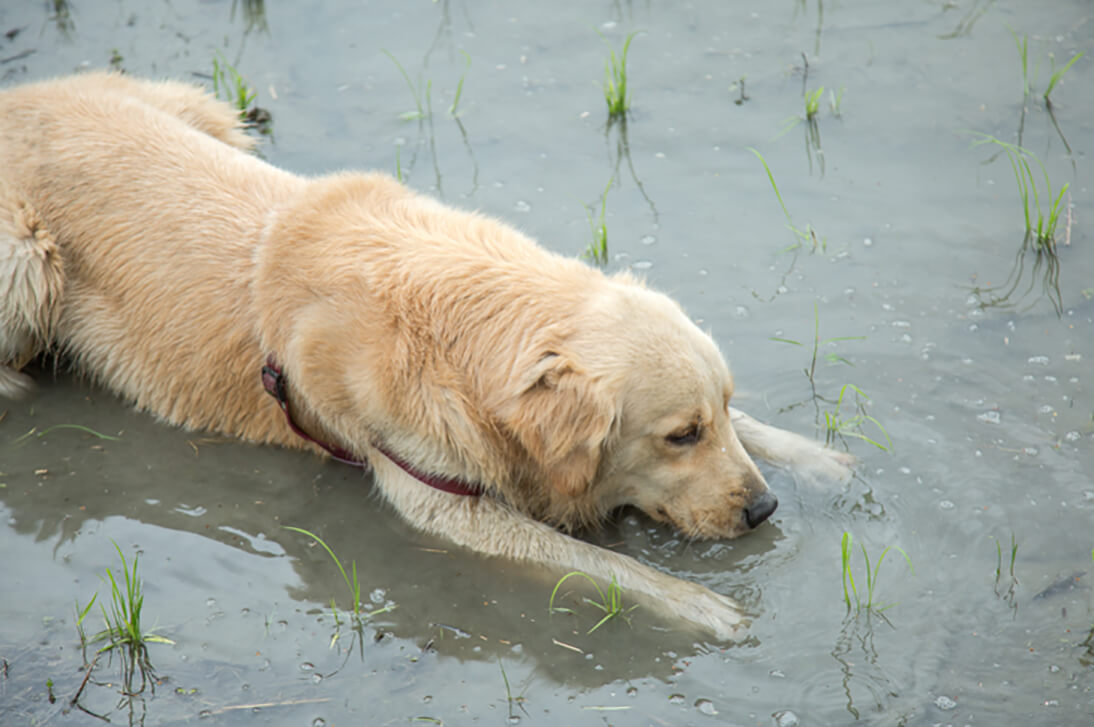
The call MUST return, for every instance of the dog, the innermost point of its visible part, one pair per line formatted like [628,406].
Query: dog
[504,396]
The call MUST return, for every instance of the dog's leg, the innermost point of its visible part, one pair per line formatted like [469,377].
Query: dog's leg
[31,285]
[490,527]
[787,449]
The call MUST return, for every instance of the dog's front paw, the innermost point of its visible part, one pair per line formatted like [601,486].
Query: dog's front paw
[715,613]
[828,465]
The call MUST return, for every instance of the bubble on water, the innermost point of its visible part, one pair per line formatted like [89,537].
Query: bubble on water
[786,718]
[514,719]
[1053,669]
[1039,360]
[319,722]
[205,714]
[307,666]
[777,674]
[1030,451]
[867,242]
[377,596]
[676,699]
[632,691]
[1073,436]
[706,707]
[316,678]
[642,264]
[1045,409]
[991,417]
[901,324]
[742,311]
[522,206]
[648,240]
[945,703]
[946,504]
[210,602]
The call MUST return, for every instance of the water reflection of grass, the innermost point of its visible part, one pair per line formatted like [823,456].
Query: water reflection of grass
[122,634]
[1043,210]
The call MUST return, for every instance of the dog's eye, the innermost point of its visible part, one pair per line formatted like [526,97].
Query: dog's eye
[686,437]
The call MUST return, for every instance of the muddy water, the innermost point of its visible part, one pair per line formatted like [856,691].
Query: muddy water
[988,408]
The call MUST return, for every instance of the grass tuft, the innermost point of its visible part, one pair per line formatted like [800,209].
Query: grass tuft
[610,603]
[808,235]
[357,612]
[597,250]
[1043,205]
[616,92]
[866,601]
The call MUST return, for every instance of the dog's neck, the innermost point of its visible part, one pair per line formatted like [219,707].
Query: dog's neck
[277,386]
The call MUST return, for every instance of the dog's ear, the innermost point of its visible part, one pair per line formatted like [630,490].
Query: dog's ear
[562,417]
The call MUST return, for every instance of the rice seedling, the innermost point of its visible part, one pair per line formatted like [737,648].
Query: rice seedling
[1012,582]
[459,87]
[227,80]
[838,427]
[1048,214]
[616,93]
[1057,75]
[597,250]
[417,91]
[357,611]
[851,596]
[610,603]
[510,700]
[808,235]
[123,633]
[812,103]
[835,102]
[818,342]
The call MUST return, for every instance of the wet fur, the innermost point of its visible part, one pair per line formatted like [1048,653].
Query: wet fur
[140,242]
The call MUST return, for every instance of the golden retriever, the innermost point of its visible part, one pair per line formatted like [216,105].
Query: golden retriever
[502,394]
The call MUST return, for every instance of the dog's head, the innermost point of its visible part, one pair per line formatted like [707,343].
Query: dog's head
[631,408]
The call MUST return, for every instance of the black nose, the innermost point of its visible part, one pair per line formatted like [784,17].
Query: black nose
[761,509]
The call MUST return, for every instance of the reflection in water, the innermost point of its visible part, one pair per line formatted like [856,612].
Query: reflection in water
[857,657]
[617,126]
[254,15]
[799,7]
[965,25]
[61,16]
[1044,270]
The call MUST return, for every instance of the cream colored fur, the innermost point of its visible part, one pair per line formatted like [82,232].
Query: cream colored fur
[139,241]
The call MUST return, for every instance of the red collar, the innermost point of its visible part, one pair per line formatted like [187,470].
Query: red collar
[276,385]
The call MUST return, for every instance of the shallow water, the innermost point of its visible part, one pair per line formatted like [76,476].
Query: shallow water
[987,408]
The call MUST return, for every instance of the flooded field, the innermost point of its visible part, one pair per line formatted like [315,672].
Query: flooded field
[791,172]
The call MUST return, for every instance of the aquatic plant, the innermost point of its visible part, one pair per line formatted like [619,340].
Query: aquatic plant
[616,93]
[812,103]
[851,594]
[1048,214]
[352,583]
[597,250]
[808,235]
[227,80]
[610,603]
[459,86]
[510,700]
[837,426]
[1012,583]
[417,91]
[830,357]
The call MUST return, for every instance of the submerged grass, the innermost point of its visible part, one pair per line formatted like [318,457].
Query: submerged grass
[610,603]
[865,601]
[418,92]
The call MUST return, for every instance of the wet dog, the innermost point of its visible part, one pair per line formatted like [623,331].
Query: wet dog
[502,394]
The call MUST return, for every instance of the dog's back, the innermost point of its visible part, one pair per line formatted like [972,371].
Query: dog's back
[101,182]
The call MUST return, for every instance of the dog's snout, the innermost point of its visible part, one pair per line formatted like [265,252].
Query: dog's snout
[761,508]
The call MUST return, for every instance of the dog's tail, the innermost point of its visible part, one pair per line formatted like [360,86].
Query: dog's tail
[31,290]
